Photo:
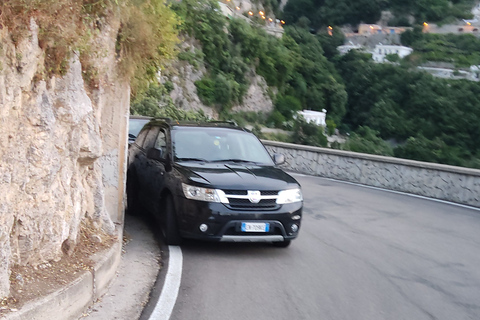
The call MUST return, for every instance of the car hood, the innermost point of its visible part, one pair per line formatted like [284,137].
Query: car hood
[237,176]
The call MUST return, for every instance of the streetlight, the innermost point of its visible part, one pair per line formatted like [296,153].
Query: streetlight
[261,13]
[250,13]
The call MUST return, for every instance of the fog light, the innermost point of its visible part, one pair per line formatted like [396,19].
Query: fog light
[203,227]
[294,228]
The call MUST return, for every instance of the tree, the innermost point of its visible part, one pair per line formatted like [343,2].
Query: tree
[366,140]
[308,133]
[287,106]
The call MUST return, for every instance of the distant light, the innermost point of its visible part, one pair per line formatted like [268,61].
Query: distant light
[261,13]
[282,22]
[238,8]
[270,19]
[371,27]
[250,13]
[330,27]
[425,24]
[469,23]
[263,17]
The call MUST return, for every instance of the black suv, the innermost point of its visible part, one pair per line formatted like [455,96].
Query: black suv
[212,181]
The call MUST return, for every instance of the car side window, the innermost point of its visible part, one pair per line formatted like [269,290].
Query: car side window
[150,139]
[161,142]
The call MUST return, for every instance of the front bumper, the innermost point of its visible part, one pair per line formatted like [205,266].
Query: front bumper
[224,224]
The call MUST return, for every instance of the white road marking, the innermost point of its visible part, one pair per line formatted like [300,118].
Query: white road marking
[168,297]
[392,191]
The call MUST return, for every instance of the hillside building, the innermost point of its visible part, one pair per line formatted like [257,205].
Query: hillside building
[315,117]
[381,51]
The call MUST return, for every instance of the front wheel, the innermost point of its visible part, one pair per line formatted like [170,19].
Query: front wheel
[172,235]
[282,244]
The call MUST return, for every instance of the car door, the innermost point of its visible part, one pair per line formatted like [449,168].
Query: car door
[145,170]
[157,170]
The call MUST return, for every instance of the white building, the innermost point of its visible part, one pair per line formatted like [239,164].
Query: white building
[347,47]
[382,50]
[316,117]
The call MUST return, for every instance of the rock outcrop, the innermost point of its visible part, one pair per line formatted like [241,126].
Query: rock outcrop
[62,150]
[184,94]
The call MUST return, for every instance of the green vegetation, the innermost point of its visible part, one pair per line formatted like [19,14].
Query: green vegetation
[387,109]
[421,117]
[461,50]
[146,39]
[321,13]
[308,134]
[430,119]
[366,140]
[235,49]
[155,102]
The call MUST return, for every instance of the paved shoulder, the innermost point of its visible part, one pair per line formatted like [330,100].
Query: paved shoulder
[137,273]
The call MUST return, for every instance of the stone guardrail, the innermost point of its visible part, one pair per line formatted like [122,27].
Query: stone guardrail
[455,184]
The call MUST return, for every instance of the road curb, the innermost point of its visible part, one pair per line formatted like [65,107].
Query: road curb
[69,302]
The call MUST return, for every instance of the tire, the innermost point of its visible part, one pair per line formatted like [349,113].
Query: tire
[133,204]
[282,244]
[172,235]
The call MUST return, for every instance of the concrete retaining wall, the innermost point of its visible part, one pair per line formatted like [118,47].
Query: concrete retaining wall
[456,184]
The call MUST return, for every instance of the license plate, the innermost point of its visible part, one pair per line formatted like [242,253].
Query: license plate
[255,227]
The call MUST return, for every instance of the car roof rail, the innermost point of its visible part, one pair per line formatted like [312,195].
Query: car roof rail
[166,119]
[230,122]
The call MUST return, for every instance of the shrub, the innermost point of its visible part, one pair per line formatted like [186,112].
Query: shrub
[308,133]
[155,102]
[366,140]
[331,126]
[206,90]
[276,118]
[287,106]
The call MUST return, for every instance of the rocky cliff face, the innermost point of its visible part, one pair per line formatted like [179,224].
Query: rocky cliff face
[62,151]
[184,93]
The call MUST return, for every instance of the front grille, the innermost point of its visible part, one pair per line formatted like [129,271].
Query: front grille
[246,204]
[235,192]
[238,200]
[269,193]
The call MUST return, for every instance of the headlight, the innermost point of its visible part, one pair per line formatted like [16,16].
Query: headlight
[204,194]
[289,196]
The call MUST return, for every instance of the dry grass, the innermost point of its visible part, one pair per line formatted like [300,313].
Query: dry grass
[146,40]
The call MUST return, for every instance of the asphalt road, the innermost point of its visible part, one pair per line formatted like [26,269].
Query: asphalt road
[361,254]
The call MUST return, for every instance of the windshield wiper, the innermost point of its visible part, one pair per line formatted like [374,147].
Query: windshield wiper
[233,160]
[191,159]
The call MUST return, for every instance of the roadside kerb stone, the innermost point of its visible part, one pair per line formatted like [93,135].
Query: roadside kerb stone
[450,183]
[105,269]
[69,302]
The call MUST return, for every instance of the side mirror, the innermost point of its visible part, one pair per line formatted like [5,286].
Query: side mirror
[278,158]
[155,154]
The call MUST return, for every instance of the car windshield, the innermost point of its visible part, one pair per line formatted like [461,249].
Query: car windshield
[218,145]
[135,125]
